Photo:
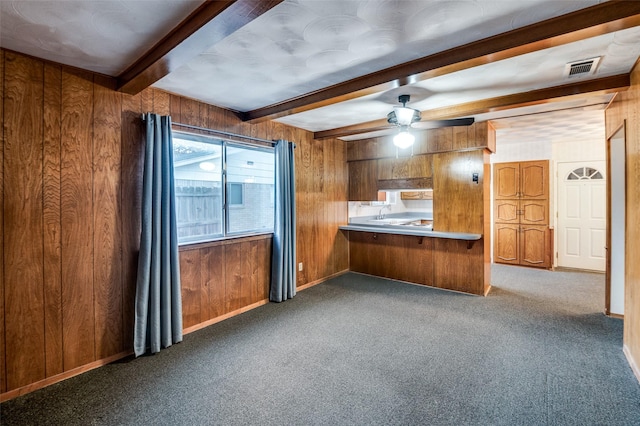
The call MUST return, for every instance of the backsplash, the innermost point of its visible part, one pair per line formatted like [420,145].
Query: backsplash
[360,208]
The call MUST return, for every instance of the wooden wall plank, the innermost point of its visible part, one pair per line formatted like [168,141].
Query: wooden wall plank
[189,112]
[260,269]
[238,273]
[317,236]
[107,245]
[456,267]
[213,279]
[304,207]
[263,264]
[440,139]
[23,232]
[76,206]
[175,108]
[51,216]
[3,364]
[191,282]
[132,159]
[161,102]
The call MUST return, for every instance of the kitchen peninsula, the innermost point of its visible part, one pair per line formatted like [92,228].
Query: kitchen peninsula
[453,254]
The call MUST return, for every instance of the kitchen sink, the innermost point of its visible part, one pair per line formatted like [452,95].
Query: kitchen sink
[403,221]
[391,221]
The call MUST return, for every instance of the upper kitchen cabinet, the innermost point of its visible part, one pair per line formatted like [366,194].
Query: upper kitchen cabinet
[521,180]
[363,181]
[405,172]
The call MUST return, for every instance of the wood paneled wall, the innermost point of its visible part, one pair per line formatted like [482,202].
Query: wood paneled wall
[71,180]
[626,109]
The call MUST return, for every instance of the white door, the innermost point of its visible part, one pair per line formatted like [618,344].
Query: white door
[582,218]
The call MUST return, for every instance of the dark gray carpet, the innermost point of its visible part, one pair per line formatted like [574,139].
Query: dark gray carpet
[358,350]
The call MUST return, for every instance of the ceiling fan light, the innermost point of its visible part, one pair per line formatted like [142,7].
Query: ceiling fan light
[404,139]
[405,116]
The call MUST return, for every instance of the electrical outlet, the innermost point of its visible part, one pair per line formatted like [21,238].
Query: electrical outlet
[300,266]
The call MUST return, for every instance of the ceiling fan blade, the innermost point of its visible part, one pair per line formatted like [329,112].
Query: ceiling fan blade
[436,124]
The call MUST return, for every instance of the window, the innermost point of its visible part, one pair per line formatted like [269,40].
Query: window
[222,188]
[585,173]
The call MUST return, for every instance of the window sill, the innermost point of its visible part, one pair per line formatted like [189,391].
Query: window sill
[225,241]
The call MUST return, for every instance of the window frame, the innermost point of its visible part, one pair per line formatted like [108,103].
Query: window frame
[224,143]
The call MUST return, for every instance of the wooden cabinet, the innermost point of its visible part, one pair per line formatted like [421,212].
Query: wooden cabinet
[416,195]
[363,177]
[527,179]
[405,172]
[530,212]
[527,245]
[521,213]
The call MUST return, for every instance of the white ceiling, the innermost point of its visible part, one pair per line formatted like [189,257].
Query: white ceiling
[300,46]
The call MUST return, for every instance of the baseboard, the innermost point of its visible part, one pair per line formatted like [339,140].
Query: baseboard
[62,376]
[617,316]
[632,362]
[224,317]
[321,280]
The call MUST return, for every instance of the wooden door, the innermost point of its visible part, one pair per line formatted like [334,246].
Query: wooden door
[507,243]
[534,180]
[534,246]
[506,211]
[506,183]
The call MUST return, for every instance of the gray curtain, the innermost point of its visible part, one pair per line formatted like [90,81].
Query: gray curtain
[158,315]
[283,268]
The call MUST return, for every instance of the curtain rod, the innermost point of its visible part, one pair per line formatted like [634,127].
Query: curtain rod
[221,132]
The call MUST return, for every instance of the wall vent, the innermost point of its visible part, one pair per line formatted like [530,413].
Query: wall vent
[580,68]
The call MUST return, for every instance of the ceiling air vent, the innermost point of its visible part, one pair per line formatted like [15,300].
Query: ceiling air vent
[583,67]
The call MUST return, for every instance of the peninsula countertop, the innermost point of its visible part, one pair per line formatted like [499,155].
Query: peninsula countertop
[408,223]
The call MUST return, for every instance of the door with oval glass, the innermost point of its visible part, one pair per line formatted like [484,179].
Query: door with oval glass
[582,215]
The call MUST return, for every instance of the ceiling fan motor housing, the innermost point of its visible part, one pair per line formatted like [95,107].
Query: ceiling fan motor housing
[403,116]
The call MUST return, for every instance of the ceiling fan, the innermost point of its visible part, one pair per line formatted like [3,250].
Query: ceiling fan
[402,95]
[404,118]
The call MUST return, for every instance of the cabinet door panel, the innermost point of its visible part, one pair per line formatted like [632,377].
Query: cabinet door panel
[363,180]
[418,166]
[506,244]
[506,180]
[416,195]
[506,211]
[534,179]
[534,212]
[534,246]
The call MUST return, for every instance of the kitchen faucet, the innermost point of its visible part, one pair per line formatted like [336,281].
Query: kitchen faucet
[380,214]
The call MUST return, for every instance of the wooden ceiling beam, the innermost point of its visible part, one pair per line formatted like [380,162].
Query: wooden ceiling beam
[590,22]
[207,25]
[562,93]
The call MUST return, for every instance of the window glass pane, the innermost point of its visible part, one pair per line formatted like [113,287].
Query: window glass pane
[598,175]
[250,189]
[198,180]
[235,194]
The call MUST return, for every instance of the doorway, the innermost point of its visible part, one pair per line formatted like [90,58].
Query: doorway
[616,160]
[582,226]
